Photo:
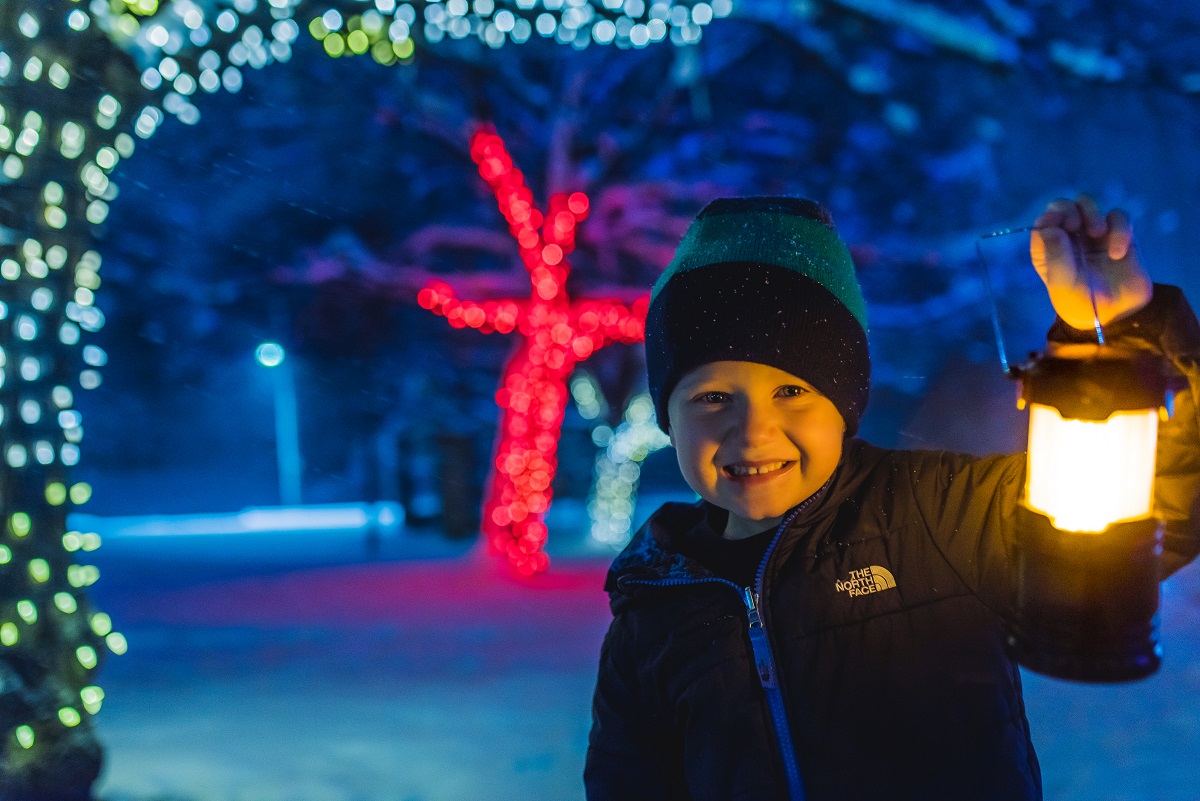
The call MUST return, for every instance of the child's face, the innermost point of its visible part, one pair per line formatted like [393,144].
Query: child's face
[754,440]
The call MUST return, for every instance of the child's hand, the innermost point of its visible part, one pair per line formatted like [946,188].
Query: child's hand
[1118,278]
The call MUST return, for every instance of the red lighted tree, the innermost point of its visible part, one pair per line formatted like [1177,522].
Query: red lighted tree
[556,333]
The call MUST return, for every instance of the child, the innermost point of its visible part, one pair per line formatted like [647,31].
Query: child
[828,621]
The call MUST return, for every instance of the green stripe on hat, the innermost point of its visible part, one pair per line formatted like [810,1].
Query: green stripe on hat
[772,235]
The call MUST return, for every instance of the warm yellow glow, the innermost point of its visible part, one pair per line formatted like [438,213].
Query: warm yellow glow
[1087,475]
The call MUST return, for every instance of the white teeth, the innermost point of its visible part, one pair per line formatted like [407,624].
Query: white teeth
[742,470]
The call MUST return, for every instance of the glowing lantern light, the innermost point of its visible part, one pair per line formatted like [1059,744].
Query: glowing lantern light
[1088,544]
[556,334]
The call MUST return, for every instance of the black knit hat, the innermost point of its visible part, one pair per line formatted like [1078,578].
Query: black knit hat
[768,280]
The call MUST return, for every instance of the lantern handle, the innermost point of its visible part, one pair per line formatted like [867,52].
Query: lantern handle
[997,328]
[1077,251]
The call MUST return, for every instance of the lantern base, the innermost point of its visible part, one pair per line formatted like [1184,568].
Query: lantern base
[1087,604]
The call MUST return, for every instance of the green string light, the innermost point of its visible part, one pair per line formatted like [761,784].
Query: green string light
[82,575]
[24,735]
[27,611]
[92,698]
[86,655]
[66,602]
[117,643]
[81,493]
[39,570]
[101,624]
[19,524]
[56,494]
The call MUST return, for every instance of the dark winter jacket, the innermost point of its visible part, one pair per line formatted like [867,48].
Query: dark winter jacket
[882,609]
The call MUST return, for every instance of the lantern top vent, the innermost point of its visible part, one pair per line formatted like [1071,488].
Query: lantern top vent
[1092,382]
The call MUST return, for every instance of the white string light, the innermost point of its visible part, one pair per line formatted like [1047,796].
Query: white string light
[617,471]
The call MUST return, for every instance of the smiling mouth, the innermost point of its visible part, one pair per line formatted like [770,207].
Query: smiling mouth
[748,471]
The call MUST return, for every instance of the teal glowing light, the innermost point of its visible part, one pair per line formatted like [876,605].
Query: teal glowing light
[269,354]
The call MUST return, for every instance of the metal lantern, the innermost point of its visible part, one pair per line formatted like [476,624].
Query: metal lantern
[1088,546]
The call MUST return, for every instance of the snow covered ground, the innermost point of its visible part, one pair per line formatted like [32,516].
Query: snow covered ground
[443,679]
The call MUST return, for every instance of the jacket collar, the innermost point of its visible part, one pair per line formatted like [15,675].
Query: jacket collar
[653,556]
[650,555]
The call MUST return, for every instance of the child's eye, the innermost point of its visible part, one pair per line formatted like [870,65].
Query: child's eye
[792,391]
[712,397]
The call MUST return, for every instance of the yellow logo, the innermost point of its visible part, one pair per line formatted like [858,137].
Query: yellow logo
[866,581]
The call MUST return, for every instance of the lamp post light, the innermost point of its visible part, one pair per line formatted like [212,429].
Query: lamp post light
[1088,546]
[287,427]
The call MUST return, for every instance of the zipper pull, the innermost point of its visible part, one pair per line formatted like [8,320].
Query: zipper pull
[750,599]
[759,643]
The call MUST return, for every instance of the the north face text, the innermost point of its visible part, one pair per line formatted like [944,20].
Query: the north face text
[866,581]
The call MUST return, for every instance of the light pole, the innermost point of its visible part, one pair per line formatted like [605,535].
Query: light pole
[287,427]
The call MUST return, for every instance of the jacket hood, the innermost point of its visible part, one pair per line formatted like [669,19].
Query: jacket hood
[652,554]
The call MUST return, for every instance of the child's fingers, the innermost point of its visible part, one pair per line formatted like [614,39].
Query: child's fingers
[1060,213]
[1093,219]
[1051,218]
[1120,234]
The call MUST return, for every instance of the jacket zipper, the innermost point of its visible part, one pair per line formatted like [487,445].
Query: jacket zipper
[764,662]
[764,659]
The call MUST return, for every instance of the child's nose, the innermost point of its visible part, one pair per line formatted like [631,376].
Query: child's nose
[758,423]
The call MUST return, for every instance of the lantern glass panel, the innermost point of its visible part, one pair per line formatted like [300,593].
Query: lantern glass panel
[1086,475]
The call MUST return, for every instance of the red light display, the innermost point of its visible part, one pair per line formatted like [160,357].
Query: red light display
[556,333]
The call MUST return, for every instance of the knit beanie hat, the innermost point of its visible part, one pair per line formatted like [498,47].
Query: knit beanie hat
[768,280]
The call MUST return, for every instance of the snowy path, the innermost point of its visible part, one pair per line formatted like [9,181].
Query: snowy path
[441,680]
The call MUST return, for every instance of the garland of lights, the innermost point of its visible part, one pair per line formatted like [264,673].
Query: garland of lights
[556,333]
[617,469]
[387,31]
[59,140]
[186,46]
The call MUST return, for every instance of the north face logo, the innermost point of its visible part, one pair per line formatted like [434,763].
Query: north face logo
[866,581]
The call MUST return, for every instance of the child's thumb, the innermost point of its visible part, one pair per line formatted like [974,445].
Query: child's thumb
[1050,252]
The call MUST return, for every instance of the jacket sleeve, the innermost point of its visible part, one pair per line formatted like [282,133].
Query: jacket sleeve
[969,503]
[633,753]
[1168,326]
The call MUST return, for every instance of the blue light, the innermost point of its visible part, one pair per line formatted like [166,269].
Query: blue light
[269,354]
